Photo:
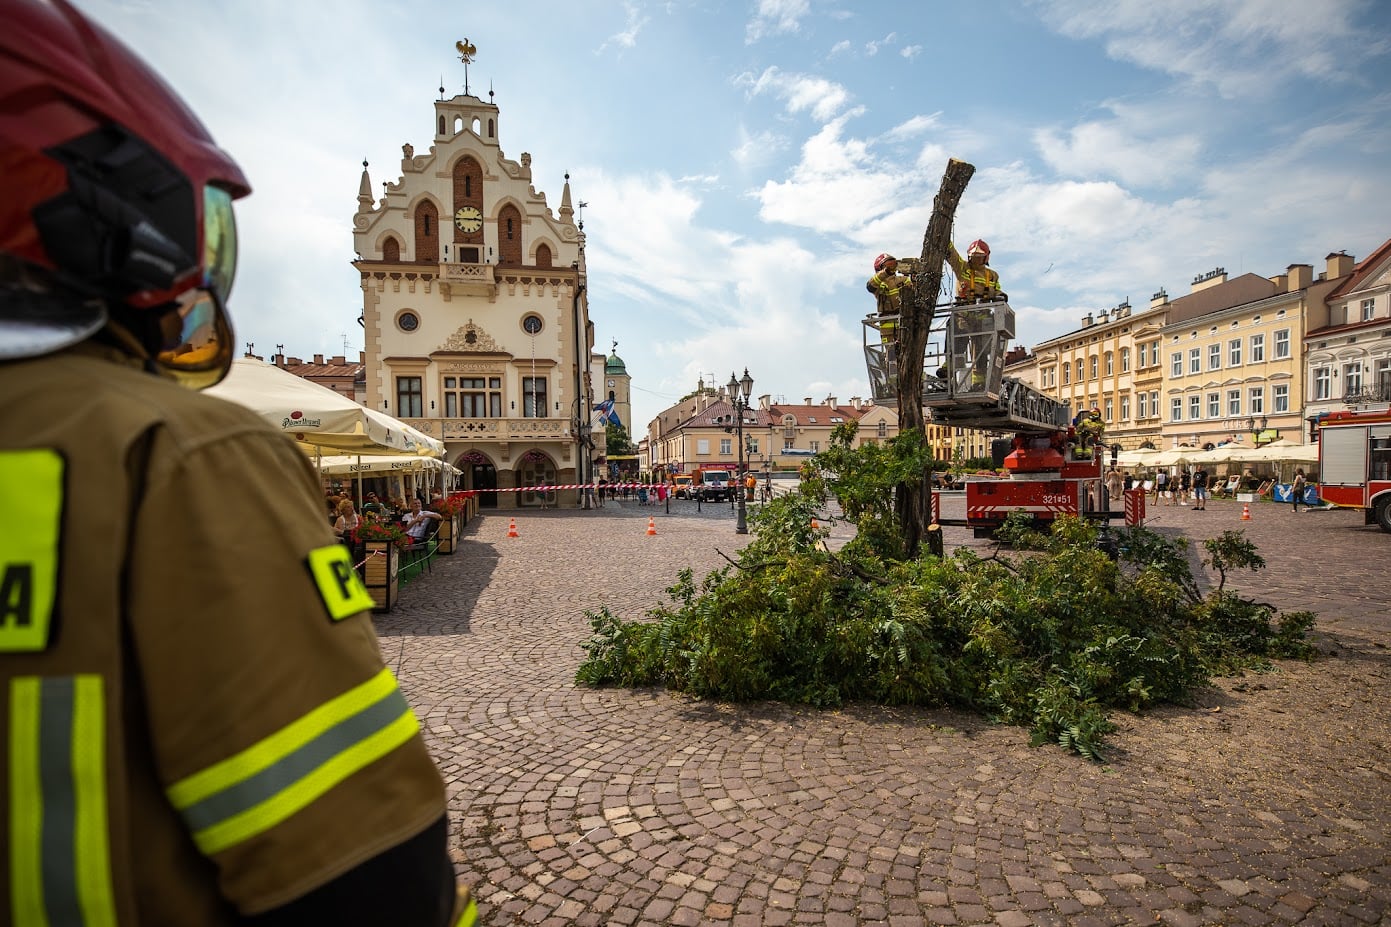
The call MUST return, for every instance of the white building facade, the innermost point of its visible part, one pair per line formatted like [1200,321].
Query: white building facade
[476,315]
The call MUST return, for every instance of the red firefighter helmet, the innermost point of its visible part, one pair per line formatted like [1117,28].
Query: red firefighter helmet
[882,260]
[978,247]
[113,189]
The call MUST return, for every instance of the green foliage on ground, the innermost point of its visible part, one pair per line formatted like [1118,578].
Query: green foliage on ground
[1053,636]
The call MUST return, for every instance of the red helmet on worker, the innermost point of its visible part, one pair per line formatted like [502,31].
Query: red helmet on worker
[978,247]
[883,261]
[115,203]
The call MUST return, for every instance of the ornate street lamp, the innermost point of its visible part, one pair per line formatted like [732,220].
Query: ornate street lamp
[1257,427]
[739,392]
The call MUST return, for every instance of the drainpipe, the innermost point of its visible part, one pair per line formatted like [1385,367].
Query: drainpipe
[581,415]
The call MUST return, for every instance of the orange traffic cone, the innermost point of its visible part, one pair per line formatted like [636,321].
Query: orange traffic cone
[1246,512]
[651,526]
[512,528]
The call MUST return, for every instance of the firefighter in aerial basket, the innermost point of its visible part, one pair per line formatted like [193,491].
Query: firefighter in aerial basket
[1089,428]
[888,285]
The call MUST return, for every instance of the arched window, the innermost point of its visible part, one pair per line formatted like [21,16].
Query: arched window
[509,225]
[468,191]
[490,128]
[441,132]
[391,251]
[427,238]
[543,256]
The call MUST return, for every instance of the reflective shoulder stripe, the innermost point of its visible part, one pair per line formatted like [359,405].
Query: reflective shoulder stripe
[60,861]
[254,790]
[31,494]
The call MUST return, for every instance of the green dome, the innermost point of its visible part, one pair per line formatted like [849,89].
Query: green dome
[615,365]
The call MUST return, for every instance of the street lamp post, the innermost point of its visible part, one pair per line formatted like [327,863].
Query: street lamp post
[739,392]
[1257,427]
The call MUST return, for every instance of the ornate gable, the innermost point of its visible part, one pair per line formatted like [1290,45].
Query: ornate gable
[470,339]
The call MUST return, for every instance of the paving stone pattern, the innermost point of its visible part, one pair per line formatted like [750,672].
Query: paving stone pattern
[1266,802]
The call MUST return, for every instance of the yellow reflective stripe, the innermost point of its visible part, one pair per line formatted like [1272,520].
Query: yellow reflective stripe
[470,915]
[89,777]
[60,859]
[31,494]
[271,780]
[26,806]
[264,753]
[303,793]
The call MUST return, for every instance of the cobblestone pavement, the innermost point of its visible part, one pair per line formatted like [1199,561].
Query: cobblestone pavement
[1266,802]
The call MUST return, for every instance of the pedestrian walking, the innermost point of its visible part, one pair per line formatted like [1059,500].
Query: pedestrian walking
[1200,490]
[1297,488]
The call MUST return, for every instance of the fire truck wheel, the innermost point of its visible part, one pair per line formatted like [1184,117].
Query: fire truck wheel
[1383,511]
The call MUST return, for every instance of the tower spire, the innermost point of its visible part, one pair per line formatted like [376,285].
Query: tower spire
[364,190]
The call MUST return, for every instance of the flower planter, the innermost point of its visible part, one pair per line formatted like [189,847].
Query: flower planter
[449,534]
[379,573]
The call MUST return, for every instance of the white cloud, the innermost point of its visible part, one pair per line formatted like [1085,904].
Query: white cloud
[628,36]
[774,17]
[839,48]
[1243,48]
[913,126]
[754,151]
[1118,148]
[872,47]
[799,92]
[911,51]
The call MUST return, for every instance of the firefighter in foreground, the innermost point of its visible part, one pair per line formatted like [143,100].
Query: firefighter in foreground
[197,724]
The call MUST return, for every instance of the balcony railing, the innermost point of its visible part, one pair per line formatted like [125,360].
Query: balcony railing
[493,429]
[1367,395]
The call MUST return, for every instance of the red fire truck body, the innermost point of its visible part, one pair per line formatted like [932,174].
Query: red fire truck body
[1355,462]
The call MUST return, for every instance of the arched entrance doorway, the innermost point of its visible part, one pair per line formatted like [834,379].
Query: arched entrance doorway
[479,473]
[535,468]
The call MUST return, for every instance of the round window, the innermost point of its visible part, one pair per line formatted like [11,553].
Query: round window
[531,324]
[408,321]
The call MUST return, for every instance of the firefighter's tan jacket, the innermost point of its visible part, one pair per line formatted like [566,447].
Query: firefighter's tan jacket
[196,717]
[972,282]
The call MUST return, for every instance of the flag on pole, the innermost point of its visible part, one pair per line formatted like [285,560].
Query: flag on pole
[606,416]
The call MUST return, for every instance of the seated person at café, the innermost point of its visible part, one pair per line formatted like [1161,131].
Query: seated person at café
[347,521]
[373,505]
[417,521]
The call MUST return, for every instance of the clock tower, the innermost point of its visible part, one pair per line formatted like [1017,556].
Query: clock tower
[475,310]
[618,387]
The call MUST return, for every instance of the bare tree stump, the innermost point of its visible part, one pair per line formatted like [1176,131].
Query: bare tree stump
[913,499]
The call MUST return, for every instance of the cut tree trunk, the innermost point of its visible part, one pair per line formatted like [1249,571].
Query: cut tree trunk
[913,499]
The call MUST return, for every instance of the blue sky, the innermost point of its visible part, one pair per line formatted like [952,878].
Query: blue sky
[744,162]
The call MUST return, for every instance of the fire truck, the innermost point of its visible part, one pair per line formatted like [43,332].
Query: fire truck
[1050,470]
[1355,462]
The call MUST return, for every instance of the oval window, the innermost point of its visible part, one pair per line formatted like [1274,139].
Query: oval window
[408,321]
[531,324]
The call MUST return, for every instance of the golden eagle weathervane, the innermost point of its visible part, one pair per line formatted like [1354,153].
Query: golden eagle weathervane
[466,51]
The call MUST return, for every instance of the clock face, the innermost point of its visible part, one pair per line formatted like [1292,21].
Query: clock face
[610,384]
[468,219]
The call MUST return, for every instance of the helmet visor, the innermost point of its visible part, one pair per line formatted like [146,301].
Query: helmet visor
[197,346]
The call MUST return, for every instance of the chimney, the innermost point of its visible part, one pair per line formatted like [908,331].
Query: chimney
[854,402]
[831,401]
[1123,310]
[1281,281]
[1103,317]
[765,401]
[1339,264]
[1214,277]
[319,359]
[806,401]
[1160,298]
[1088,321]
[1301,275]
